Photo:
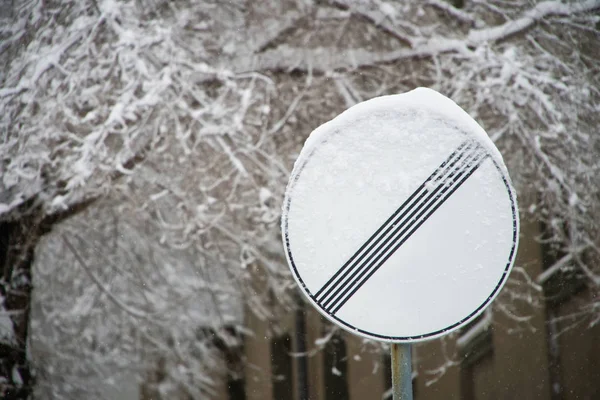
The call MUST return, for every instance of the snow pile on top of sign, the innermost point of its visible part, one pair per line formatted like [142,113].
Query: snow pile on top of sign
[423,102]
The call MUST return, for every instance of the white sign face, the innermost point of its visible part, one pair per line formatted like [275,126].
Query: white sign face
[400,222]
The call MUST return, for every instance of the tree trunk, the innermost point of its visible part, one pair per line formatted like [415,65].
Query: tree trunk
[17,245]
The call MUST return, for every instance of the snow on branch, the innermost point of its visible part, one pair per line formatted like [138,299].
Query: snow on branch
[323,59]
[454,12]
[540,11]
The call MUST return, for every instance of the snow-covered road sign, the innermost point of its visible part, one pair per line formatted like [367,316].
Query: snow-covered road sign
[400,222]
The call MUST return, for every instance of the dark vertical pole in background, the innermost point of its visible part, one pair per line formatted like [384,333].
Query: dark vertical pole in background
[301,359]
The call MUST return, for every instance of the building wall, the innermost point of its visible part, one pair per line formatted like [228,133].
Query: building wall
[363,375]
[365,370]
[521,353]
[436,366]
[258,360]
[578,345]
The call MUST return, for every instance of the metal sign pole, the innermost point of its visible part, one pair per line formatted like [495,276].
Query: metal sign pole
[401,371]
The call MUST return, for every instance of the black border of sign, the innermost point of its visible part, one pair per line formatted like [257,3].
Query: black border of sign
[430,335]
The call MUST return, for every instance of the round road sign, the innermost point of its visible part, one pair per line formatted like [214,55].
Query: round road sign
[400,222]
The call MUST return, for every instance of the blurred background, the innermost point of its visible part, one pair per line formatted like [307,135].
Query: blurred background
[145,146]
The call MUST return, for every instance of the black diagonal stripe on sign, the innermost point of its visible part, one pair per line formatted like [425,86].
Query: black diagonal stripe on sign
[429,190]
[341,279]
[446,193]
[433,195]
[420,207]
[384,229]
